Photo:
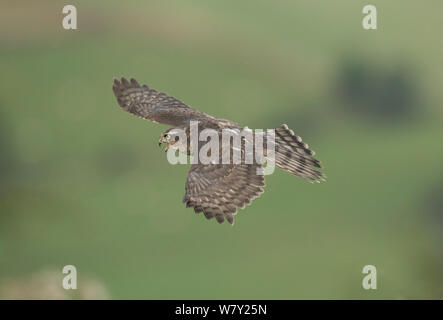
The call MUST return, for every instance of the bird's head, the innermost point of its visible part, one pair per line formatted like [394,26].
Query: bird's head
[172,138]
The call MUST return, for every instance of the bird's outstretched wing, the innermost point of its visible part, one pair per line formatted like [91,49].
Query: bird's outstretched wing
[218,190]
[153,105]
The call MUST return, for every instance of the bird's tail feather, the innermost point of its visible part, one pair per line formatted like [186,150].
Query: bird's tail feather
[294,156]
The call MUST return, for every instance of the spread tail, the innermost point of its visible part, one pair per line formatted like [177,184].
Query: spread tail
[294,156]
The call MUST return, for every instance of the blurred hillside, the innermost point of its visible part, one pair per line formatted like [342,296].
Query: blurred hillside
[84,183]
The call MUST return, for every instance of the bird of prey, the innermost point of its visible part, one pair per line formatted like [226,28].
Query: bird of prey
[217,190]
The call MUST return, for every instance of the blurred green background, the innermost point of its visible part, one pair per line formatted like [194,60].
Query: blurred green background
[84,183]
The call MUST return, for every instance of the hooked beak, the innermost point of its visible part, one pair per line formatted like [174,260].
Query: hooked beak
[161,141]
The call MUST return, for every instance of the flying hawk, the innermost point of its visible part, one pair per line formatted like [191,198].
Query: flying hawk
[217,190]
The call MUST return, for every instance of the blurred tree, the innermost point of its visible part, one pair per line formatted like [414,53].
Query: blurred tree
[7,152]
[376,93]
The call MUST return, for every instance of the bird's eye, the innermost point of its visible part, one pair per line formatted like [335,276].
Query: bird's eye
[167,137]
